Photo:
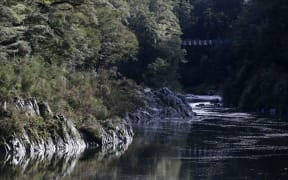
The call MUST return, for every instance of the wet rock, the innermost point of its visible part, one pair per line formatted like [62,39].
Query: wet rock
[53,133]
[177,106]
[29,106]
[41,142]
[160,104]
[111,135]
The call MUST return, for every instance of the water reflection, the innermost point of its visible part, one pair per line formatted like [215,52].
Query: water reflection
[61,165]
[219,145]
[38,167]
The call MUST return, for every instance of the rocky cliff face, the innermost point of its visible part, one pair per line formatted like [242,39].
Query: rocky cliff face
[44,133]
[66,141]
[160,104]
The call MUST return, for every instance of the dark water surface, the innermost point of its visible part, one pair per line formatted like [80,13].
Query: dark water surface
[218,144]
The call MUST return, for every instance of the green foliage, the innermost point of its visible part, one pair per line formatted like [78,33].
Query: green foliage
[75,94]
[65,53]
[118,43]
[157,72]
[94,35]
[68,53]
[207,67]
[158,31]
[261,67]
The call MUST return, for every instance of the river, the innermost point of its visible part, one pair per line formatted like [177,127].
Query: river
[217,144]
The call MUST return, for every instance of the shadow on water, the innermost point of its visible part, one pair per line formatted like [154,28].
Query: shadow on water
[217,144]
[72,165]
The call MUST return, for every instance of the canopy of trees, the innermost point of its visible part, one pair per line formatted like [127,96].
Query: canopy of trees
[53,49]
[251,72]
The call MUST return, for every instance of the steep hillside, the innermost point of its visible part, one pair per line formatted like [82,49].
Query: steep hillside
[158,31]
[259,82]
[74,56]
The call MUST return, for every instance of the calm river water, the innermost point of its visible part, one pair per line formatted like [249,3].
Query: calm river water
[217,144]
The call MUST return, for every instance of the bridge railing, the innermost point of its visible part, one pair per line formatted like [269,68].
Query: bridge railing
[210,42]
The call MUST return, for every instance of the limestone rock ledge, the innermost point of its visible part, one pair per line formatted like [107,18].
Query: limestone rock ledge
[50,133]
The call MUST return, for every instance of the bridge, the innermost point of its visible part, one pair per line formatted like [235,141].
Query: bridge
[210,42]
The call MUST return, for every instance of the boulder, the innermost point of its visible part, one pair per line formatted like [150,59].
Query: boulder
[160,104]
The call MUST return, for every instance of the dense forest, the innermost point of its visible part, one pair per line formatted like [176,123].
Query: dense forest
[251,70]
[87,57]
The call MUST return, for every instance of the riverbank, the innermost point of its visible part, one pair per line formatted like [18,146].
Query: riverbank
[30,128]
[218,143]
